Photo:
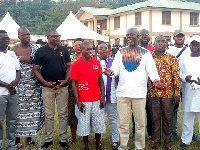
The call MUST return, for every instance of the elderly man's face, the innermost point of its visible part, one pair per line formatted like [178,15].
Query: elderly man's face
[132,37]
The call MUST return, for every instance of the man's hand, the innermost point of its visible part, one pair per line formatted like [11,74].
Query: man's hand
[80,106]
[62,82]
[188,78]
[26,59]
[108,72]
[102,102]
[176,100]
[11,89]
[157,83]
[51,85]
[14,83]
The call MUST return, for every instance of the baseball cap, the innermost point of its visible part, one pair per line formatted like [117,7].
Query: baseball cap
[195,38]
[177,32]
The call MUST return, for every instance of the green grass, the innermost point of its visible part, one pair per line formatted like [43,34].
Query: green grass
[106,139]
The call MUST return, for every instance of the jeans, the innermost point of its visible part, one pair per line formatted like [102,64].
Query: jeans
[9,108]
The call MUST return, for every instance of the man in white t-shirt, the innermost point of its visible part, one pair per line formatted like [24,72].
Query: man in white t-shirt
[190,78]
[179,50]
[9,79]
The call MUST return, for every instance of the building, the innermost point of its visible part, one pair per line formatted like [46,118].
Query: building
[160,17]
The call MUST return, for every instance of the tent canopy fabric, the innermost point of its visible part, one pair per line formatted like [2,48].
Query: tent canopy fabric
[72,28]
[10,26]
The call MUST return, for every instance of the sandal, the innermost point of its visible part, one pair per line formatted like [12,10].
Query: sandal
[18,146]
[31,143]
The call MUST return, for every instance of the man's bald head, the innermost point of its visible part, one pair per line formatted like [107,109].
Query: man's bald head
[84,44]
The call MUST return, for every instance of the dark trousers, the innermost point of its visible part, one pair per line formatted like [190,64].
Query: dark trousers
[161,109]
[149,122]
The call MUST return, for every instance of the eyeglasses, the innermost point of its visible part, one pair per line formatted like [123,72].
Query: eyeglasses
[55,36]
[5,38]
[144,34]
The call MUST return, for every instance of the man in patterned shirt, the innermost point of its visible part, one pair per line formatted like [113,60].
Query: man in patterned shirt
[161,99]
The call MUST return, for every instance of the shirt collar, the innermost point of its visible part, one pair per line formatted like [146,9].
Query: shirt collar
[154,55]
[58,47]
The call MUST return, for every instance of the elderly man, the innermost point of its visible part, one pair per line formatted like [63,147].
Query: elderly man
[52,65]
[190,77]
[133,64]
[9,79]
[144,39]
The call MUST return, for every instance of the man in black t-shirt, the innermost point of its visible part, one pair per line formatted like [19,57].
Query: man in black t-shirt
[52,65]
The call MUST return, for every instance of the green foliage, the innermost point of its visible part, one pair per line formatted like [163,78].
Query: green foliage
[39,16]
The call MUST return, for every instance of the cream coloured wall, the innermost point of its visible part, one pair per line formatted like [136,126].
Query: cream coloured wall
[130,20]
[121,30]
[145,20]
[186,23]
[157,25]
[85,16]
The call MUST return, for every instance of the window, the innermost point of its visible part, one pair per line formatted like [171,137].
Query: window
[138,19]
[194,18]
[117,22]
[104,24]
[117,41]
[166,17]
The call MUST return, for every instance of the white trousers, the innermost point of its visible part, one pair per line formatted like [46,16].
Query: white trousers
[188,126]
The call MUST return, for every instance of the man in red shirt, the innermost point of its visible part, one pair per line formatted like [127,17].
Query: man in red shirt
[88,87]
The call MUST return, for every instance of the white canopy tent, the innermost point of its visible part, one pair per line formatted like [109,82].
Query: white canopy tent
[10,26]
[72,28]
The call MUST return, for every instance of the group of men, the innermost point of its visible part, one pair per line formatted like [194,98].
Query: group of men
[141,78]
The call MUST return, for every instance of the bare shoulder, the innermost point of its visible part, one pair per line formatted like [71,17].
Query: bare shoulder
[16,47]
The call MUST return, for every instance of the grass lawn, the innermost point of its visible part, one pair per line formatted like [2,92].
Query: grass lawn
[106,139]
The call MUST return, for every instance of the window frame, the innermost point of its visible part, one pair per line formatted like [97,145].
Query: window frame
[166,17]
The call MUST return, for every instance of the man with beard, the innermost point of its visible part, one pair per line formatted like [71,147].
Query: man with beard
[9,79]
[88,87]
[133,64]
[190,79]
[144,39]
[30,103]
[52,65]
[161,100]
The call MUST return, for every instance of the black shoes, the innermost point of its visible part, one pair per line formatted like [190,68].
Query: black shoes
[46,145]
[63,145]
[183,145]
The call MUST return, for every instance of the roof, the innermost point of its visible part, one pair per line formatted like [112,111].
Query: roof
[72,28]
[154,4]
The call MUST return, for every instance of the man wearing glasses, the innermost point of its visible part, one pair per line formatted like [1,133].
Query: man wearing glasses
[9,79]
[30,103]
[52,65]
